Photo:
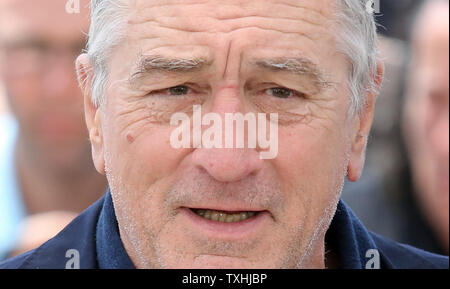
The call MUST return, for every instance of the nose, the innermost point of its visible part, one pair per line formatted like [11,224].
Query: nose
[228,164]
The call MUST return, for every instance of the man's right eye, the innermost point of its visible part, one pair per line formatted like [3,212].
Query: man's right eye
[176,91]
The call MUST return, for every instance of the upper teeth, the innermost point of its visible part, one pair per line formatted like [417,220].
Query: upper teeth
[224,217]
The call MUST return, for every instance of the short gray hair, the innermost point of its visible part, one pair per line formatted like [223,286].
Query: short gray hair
[357,40]
[108,19]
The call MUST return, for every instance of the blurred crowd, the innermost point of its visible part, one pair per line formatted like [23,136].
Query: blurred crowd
[47,176]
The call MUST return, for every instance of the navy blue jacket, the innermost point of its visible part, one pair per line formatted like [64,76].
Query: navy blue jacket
[95,236]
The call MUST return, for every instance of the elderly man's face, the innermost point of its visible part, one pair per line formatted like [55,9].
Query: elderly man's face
[156,188]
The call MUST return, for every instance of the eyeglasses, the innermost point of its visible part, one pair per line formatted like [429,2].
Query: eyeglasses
[33,56]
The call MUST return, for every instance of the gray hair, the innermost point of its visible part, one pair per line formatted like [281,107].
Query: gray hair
[357,40]
[108,17]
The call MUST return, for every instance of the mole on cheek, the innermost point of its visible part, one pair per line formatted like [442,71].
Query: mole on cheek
[130,138]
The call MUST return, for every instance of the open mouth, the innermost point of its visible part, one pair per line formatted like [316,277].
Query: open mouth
[225,224]
[225,217]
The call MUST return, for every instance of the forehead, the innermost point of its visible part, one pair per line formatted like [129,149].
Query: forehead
[204,27]
[228,9]
[42,19]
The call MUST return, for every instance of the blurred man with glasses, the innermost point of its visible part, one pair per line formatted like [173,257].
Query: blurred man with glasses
[46,171]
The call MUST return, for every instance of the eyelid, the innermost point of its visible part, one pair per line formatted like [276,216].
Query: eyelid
[165,90]
[295,93]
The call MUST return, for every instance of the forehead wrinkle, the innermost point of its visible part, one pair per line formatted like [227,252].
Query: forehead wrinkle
[316,7]
[222,18]
[232,12]
[166,30]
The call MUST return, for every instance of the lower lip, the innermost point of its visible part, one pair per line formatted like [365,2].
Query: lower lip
[229,231]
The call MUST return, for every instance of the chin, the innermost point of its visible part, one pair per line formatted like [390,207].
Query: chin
[218,262]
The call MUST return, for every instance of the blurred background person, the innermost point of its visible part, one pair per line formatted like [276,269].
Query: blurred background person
[46,172]
[389,197]
[426,116]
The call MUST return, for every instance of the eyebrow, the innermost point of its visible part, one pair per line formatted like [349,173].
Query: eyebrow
[296,65]
[156,64]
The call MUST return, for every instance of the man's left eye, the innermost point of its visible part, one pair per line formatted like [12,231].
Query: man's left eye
[178,90]
[280,92]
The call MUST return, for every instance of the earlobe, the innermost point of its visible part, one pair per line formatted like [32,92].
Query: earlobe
[93,114]
[363,123]
[357,158]
[96,137]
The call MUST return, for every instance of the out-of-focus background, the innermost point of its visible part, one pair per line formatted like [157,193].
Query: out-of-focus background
[3,105]
[402,194]
[46,172]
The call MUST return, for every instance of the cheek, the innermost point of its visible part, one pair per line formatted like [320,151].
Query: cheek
[141,155]
[308,154]
[311,164]
[140,169]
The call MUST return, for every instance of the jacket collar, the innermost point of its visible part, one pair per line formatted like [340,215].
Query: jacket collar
[353,243]
[110,251]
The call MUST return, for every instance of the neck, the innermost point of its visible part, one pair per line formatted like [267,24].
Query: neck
[46,187]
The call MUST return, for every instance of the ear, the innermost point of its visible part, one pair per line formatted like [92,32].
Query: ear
[93,114]
[363,123]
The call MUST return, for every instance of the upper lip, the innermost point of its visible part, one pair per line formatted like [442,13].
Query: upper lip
[226,208]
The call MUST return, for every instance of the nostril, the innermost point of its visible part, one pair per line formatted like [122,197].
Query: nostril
[227,165]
